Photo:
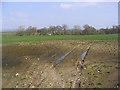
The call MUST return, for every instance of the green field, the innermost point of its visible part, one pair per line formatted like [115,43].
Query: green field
[12,38]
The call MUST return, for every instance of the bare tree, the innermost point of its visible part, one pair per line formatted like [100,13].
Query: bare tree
[21,30]
[88,30]
[64,26]
[31,30]
[76,27]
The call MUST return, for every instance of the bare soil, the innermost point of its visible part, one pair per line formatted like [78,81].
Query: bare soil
[24,67]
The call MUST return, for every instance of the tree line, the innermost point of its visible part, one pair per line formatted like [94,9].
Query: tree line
[62,30]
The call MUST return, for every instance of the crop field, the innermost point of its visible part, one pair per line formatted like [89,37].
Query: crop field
[12,38]
[30,61]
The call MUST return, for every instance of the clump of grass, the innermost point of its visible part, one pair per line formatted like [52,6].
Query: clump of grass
[105,66]
[97,87]
[95,65]
[99,84]
[90,77]
[90,72]
[17,43]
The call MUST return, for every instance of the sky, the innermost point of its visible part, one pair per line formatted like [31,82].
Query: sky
[44,14]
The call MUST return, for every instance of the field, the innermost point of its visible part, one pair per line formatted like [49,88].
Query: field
[12,38]
[24,61]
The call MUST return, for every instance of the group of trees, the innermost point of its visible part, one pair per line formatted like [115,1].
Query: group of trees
[29,31]
[62,30]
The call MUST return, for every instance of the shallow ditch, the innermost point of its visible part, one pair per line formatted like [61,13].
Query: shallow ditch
[36,61]
[61,58]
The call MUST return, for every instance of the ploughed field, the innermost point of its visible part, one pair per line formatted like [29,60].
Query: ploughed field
[28,65]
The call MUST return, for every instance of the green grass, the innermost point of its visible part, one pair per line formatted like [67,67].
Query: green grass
[12,38]
[105,66]
[98,87]
[99,84]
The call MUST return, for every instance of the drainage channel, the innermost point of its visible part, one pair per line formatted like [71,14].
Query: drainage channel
[82,64]
[84,55]
[61,58]
[50,58]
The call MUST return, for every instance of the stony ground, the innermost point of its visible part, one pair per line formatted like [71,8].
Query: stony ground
[24,67]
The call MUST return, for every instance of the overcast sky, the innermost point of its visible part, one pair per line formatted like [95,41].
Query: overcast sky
[44,14]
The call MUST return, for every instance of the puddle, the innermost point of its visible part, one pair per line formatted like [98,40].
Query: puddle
[50,58]
[61,58]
